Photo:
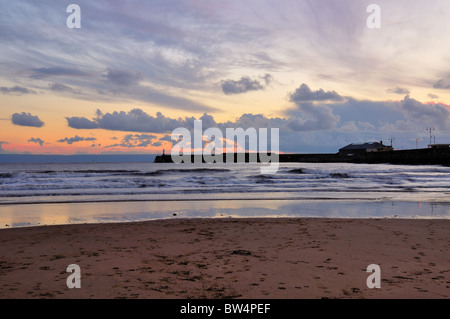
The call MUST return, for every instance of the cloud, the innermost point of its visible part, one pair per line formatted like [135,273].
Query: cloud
[137,140]
[168,138]
[398,90]
[118,84]
[81,123]
[41,73]
[26,119]
[433,96]
[398,126]
[392,116]
[1,147]
[151,95]
[367,114]
[366,126]
[311,116]
[247,120]
[208,120]
[352,127]
[245,84]
[60,87]
[125,84]
[37,141]
[312,111]
[442,84]
[349,127]
[194,44]
[135,120]
[306,116]
[430,114]
[75,139]
[305,94]
[122,77]
[16,90]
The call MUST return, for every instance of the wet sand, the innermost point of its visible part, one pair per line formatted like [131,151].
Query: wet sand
[273,258]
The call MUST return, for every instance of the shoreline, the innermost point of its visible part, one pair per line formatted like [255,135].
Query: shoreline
[215,258]
[68,213]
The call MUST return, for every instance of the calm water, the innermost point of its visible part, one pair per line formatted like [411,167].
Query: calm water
[298,189]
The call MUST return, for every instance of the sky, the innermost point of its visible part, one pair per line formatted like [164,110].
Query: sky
[136,70]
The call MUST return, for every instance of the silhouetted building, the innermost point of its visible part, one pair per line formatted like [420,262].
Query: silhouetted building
[355,149]
[439,146]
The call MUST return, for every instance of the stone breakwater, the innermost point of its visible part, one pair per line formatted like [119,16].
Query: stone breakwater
[427,156]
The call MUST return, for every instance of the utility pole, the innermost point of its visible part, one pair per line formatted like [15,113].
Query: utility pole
[431,132]
[391,140]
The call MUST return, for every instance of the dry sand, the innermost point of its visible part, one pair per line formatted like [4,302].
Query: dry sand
[229,258]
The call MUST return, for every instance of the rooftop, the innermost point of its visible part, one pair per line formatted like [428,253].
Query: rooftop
[364,146]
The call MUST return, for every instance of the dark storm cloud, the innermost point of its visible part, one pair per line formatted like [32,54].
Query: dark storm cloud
[26,119]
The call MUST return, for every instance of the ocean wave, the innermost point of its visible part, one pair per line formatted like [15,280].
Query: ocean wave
[195,170]
[339,175]
[131,172]
[88,171]
[297,171]
[142,179]
[260,179]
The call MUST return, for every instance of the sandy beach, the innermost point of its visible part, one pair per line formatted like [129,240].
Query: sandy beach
[229,258]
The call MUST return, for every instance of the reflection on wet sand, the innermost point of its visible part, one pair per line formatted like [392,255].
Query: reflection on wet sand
[106,212]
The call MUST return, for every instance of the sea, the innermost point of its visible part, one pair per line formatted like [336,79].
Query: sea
[66,193]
